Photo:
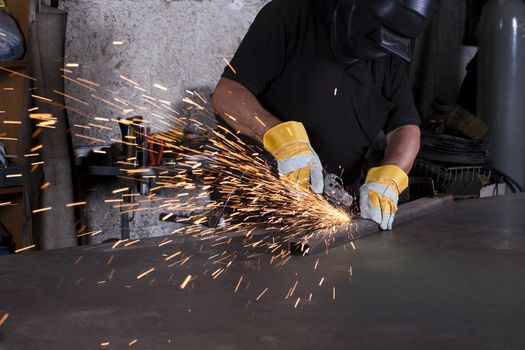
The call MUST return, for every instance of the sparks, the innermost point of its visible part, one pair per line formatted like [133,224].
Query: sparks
[4,318]
[172,256]
[145,273]
[238,284]
[119,190]
[25,248]
[185,282]
[262,293]
[42,210]
[17,74]
[129,80]
[132,242]
[160,87]
[166,242]
[297,303]
[229,65]
[76,204]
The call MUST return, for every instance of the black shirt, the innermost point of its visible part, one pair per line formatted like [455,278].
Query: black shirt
[285,60]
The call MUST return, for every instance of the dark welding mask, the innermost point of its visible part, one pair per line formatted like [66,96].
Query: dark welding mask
[371,29]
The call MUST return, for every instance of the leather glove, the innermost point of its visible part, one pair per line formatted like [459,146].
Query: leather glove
[298,164]
[380,193]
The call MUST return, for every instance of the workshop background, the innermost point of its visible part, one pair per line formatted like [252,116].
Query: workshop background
[181,44]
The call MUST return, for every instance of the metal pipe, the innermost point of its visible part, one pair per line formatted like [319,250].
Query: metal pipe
[501,84]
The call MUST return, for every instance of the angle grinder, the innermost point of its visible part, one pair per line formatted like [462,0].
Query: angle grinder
[335,192]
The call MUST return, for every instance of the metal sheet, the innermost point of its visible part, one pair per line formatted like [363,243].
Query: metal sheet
[320,241]
[452,279]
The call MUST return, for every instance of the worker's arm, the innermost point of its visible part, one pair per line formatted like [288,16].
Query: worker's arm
[241,110]
[298,164]
[402,147]
[380,193]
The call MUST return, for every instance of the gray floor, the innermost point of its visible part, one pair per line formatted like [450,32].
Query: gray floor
[454,279]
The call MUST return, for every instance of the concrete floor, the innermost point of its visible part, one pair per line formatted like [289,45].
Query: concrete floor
[453,279]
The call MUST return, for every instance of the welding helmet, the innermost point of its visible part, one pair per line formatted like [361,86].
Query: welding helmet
[371,29]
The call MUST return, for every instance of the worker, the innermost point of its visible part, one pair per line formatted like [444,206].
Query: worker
[315,81]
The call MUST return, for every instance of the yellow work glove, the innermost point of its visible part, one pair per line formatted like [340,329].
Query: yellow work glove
[297,163]
[380,193]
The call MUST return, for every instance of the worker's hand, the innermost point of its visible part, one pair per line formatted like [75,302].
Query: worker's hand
[380,193]
[298,164]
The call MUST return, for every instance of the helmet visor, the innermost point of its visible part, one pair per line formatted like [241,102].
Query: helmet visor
[395,44]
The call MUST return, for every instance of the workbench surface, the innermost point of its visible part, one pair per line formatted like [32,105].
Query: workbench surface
[454,279]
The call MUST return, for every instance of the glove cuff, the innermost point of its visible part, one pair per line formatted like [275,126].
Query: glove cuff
[283,135]
[389,172]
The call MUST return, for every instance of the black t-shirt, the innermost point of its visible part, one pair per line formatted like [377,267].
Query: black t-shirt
[285,60]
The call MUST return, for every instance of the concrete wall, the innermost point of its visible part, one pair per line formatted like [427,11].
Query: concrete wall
[180,45]
[177,44]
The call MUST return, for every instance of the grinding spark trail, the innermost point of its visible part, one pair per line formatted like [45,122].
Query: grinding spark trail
[254,193]
[248,191]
